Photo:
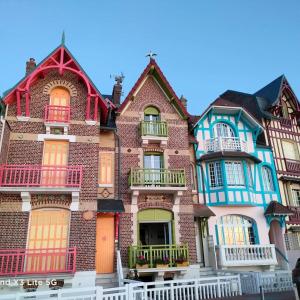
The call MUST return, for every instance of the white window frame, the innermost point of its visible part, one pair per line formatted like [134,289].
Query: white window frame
[268,181]
[223,130]
[215,174]
[234,173]
[296,197]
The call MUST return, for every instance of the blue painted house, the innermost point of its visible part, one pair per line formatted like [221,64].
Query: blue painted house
[238,182]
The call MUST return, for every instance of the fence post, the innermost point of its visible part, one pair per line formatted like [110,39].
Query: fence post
[239,284]
[99,292]
[218,288]
[59,292]
[172,291]
[196,289]
[261,292]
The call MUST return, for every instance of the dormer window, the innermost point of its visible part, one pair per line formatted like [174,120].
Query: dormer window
[151,114]
[223,130]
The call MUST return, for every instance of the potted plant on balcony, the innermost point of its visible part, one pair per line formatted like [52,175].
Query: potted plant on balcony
[141,262]
[162,262]
[181,261]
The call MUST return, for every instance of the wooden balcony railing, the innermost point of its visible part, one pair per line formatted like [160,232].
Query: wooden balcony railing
[37,261]
[40,176]
[292,165]
[57,114]
[157,177]
[247,255]
[154,252]
[225,144]
[154,128]
[295,218]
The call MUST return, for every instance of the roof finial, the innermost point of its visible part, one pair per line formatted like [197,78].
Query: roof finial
[63,38]
[151,55]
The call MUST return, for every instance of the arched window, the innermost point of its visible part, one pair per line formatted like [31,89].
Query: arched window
[223,130]
[60,96]
[236,230]
[151,114]
[267,179]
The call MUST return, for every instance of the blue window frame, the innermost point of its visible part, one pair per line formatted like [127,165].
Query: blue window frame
[234,173]
[267,179]
[215,174]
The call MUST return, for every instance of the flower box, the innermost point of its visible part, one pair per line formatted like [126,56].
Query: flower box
[162,266]
[146,266]
[182,264]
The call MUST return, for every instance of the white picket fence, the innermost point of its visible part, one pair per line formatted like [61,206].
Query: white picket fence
[277,281]
[189,289]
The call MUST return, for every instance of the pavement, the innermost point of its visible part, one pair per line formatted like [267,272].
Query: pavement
[268,296]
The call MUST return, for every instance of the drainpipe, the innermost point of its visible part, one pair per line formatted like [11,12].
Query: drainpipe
[118,143]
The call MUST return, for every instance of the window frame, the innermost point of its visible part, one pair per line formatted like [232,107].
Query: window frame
[237,177]
[215,174]
[222,126]
[267,174]
[111,157]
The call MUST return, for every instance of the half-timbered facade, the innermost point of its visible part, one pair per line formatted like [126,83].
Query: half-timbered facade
[237,180]
[57,176]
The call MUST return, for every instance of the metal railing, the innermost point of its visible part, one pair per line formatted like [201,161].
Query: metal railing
[154,128]
[225,144]
[153,252]
[40,176]
[157,177]
[247,255]
[37,261]
[57,114]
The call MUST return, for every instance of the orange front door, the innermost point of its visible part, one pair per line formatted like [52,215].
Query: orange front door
[105,243]
[47,240]
[55,158]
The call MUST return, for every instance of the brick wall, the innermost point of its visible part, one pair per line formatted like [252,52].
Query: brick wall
[13,229]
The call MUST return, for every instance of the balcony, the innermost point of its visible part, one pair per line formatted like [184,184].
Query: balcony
[14,262]
[292,165]
[154,132]
[246,255]
[286,122]
[57,114]
[154,252]
[221,144]
[295,218]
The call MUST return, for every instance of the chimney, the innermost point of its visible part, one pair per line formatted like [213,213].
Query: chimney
[117,90]
[183,101]
[30,66]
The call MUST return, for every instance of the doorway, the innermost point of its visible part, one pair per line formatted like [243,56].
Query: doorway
[155,233]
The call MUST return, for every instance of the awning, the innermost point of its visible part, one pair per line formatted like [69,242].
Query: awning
[229,154]
[202,211]
[110,205]
[277,209]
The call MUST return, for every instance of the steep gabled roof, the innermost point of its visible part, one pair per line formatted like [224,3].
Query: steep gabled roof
[60,59]
[272,91]
[153,69]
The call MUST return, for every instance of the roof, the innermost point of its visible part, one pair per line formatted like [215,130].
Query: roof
[277,209]
[201,210]
[272,91]
[153,69]
[110,205]
[50,63]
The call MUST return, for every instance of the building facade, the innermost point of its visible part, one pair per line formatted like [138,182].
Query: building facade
[57,175]
[158,183]
[237,180]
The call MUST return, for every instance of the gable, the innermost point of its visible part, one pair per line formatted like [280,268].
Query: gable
[154,71]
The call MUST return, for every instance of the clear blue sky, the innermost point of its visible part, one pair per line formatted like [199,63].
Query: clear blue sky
[204,46]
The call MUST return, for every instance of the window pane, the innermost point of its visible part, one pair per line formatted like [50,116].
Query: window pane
[234,173]
[215,174]
[267,179]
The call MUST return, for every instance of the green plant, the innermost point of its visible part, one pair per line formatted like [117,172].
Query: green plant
[180,259]
[162,260]
[141,260]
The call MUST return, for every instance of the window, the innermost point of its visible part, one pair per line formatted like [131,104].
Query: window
[151,114]
[290,150]
[295,197]
[235,230]
[215,174]
[223,130]
[267,179]
[106,169]
[234,173]
[60,96]
[249,174]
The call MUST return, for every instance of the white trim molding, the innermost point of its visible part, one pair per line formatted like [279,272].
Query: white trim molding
[65,137]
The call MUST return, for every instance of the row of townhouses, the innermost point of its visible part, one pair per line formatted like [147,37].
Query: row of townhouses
[91,185]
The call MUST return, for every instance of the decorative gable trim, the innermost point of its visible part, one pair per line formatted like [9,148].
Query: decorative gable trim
[68,85]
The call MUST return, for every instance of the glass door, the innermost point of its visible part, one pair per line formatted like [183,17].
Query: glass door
[153,164]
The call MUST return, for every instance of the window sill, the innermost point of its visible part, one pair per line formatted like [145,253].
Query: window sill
[105,185]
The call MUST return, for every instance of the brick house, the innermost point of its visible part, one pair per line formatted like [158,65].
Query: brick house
[57,175]
[158,184]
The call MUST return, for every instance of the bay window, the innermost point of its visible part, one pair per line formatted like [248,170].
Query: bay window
[215,174]
[234,173]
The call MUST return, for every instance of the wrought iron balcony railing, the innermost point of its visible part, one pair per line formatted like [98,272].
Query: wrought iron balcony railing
[225,144]
[15,262]
[159,129]
[157,177]
[151,253]
[40,176]
[57,114]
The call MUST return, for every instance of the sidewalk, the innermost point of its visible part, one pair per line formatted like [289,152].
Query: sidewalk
[269,296]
